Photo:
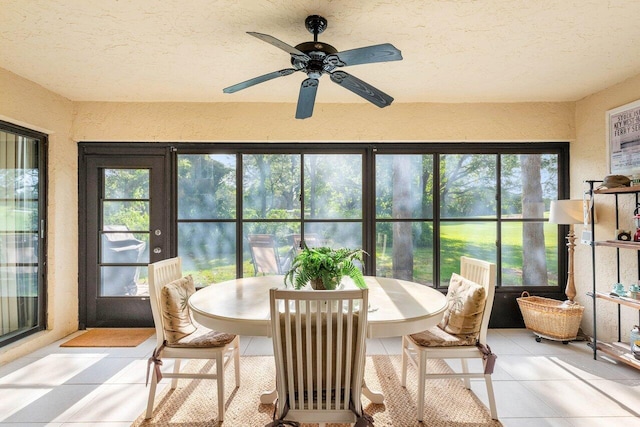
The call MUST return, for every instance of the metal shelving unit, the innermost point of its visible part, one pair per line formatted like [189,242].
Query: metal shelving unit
[618,350]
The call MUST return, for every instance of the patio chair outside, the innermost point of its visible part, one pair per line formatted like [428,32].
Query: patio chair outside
[265,256]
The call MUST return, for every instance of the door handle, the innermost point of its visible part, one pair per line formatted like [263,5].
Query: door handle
[157,250]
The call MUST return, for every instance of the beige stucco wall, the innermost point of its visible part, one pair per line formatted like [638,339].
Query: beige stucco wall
[333,122]
[27,104]
[589,162]
[66,122]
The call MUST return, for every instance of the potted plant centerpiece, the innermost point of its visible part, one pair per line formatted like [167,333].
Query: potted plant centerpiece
[324,268]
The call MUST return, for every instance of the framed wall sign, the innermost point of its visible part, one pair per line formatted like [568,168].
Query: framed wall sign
[623,139]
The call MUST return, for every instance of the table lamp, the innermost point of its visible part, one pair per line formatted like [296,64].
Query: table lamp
[568,212]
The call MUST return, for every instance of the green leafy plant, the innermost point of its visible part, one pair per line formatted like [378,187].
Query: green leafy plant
[324,267]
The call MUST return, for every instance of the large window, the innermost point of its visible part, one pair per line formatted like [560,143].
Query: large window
[414,208]
[22,202]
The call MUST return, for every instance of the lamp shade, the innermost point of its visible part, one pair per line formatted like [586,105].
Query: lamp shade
[566,212]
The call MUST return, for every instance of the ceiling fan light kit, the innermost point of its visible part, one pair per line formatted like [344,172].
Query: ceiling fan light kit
[317,58]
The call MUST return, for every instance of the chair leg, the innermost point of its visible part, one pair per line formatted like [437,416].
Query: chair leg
[152,394]
[176,370]
[220,381]
[465,369]
[236,361]
[491,396]
[405,349]
[422,371]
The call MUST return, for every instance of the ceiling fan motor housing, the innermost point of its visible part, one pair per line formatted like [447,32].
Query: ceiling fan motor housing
[317,52]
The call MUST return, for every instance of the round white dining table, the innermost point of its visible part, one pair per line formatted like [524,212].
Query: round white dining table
[241,307]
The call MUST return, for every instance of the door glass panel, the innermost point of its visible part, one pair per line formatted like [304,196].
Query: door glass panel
[467,185]
[20,288]
[271,186]
[129,215]
[125,233]
[333,186]
[137,184]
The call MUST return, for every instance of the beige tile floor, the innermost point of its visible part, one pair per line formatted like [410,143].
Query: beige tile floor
[536,384]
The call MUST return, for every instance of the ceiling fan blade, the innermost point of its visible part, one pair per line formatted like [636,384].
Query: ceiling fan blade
[307,98]
[259,79]
[365,90]
[282,45]
[365,55]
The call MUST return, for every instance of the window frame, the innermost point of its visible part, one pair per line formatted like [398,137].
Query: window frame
[43,145]
[369,151]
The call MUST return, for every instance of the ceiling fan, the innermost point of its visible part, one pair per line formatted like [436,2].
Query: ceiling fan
[316,58]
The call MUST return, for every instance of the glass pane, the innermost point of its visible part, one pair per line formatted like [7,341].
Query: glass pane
[472,239]
[20,300]
[271,186]
[404,250]
[404,186]
[126,183]
[335,234]
[269,247]
[208,251]
[533,175]
[132,216]
[19,184]
[18,215]
[125,248]
[333,186]
[537,242]
[467,185]
[123,281]
[207,186]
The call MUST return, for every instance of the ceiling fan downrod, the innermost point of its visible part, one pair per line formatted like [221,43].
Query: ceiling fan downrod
[315,24]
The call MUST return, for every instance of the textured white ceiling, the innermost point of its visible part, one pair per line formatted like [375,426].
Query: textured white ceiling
[189,50]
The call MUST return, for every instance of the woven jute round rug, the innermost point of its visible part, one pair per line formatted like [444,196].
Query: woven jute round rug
[194,403]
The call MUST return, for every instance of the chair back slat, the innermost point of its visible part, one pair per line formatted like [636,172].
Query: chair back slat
[319,347]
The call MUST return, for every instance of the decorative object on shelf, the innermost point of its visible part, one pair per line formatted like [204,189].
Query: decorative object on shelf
[618,289]
[633,291]
[324,268]
[634,341]
[568,212]
[615,181]
[623,235]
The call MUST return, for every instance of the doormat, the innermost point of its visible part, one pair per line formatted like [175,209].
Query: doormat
[110,337]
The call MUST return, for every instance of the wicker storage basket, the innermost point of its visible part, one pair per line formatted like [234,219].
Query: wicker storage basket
[550,318]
